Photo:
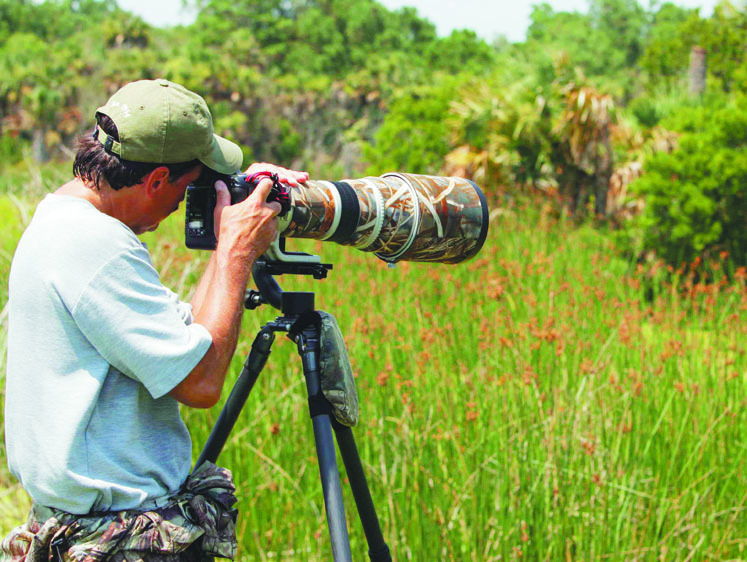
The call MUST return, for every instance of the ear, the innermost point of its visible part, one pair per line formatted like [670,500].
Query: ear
[155,179]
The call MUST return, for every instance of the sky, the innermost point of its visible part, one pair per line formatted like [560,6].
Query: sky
[488,18]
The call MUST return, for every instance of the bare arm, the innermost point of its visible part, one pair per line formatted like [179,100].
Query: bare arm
[246,231]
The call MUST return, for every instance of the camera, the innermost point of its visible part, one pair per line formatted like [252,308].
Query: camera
[201,199]
[398,216]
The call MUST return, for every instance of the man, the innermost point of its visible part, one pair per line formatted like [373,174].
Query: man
[100,353]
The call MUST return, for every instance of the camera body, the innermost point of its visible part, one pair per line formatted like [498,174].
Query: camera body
[199,229]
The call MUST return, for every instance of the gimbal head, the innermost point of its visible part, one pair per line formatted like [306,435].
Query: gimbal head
[276,261]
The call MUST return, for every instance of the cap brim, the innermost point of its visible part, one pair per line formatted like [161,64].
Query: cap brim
[224,156]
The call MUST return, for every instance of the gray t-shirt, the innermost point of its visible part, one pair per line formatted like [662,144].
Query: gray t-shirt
[95,344]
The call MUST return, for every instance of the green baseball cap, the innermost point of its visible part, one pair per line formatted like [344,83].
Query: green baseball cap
[162,122]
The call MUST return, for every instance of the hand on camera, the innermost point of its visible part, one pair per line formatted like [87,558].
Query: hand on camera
[251,224]
[288,177]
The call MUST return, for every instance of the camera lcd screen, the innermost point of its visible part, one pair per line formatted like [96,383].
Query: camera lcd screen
[199,220]
[198,205]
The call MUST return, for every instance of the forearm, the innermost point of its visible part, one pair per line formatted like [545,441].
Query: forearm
[246,231]
[218,306]
[204,286]
[221,305]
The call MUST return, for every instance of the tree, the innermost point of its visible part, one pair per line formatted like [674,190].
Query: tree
[667,48]
[624,22]
[50,20]
[38,82]
[503,130]
[572,35]
[724,37]
[581,147]
[413,136]
[696,196]
[462,51]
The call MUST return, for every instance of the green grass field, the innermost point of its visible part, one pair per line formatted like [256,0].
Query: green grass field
[546,401]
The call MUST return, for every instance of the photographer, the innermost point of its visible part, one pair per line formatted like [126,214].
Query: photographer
[100,353]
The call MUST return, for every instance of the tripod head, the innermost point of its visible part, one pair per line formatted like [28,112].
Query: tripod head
[278,262]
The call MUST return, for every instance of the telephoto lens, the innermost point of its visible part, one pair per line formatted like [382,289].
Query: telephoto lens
[397,216]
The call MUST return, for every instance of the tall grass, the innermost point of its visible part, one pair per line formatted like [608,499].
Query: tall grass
[546,401]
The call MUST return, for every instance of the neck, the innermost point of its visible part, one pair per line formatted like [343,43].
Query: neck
[119,204]
[99,198]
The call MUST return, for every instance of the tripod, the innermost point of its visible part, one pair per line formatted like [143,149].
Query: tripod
[296,308]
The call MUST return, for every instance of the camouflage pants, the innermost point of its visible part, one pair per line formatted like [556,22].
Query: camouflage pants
[197,524]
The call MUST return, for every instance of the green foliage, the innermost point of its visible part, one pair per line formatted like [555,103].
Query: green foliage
[574,36]
[650,109]
[724,36]
[696,197]
[676,30]
[510,125]
[336,37]
[556,138]
[289,145]
[623,22]
[414,136]
[11,148]
[666,54]
[125,30]
[52,19]
[459,52]
[21,54]
[317,82]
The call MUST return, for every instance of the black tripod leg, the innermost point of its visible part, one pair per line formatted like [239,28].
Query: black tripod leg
[308,348]
[230,413]
[332,489]
[378,551]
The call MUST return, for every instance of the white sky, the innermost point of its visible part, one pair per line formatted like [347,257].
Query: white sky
[489,18]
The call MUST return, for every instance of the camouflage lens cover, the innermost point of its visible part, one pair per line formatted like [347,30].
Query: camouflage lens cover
[338,384]
[399,217]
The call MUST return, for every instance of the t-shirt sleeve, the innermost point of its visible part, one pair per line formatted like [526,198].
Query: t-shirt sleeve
[184,309]
[137,325]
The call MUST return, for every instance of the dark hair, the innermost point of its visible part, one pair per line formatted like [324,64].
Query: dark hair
[93,162]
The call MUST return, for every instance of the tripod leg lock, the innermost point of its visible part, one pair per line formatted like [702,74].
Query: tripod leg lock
[260,351]
[320,406]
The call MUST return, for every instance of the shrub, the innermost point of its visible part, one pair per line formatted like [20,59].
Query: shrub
[696,196]
[414,136]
